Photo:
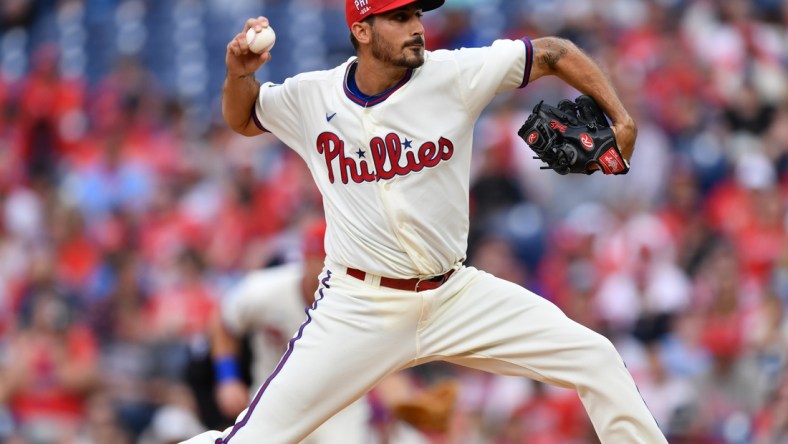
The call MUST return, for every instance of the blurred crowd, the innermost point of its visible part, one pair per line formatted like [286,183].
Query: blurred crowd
[122,224]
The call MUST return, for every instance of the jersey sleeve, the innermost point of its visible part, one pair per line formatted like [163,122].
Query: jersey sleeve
[276,111]
[503,66]
[247,301]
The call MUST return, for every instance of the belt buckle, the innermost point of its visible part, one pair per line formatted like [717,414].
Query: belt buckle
[430,279]
[419,282]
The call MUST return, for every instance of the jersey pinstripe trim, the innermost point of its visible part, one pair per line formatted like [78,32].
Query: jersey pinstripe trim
[257,122]
[290,348]
[368,101]
[529,59]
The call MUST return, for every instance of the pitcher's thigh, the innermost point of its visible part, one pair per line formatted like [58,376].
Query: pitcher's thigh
[498,326]
[334,359]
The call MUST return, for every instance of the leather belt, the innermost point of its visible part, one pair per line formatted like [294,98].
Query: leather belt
[413,284]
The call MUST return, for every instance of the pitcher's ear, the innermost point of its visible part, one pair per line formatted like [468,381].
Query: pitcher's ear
[362,31]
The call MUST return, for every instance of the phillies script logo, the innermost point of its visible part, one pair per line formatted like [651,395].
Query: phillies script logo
[532,138]
[388,158]
[587,141]
[557,126]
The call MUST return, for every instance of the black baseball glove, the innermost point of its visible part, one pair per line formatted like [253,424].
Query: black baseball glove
[572,137]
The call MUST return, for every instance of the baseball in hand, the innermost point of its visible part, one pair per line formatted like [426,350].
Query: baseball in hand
[262,41]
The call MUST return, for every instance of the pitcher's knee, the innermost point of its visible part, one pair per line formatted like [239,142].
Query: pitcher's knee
[602,354]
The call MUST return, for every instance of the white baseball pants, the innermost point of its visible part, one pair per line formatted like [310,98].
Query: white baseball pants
[358,332]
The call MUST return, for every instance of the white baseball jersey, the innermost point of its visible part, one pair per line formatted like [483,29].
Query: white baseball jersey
[391,165]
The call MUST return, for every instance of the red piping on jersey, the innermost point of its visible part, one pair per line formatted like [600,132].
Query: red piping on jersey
[529,59]
[367,101]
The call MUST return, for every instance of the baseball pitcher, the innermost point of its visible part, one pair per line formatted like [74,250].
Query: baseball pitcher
[387,136]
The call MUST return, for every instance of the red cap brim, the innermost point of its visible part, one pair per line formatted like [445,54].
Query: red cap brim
[426,5]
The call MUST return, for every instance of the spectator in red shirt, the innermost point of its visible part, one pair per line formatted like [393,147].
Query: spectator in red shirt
[50,372]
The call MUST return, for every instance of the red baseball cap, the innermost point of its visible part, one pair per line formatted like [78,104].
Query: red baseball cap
[358,10]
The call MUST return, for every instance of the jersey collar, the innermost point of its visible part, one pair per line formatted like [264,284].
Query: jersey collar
[354,94]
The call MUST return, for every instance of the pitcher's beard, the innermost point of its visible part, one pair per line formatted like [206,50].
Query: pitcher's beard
[412,57]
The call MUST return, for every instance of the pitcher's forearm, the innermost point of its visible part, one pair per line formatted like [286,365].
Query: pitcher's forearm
[241,88]
[238,98]
[561,58]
